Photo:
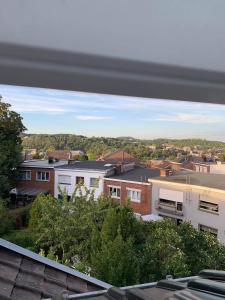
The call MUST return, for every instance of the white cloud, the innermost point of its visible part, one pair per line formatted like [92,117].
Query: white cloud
[93,118]
[190,118]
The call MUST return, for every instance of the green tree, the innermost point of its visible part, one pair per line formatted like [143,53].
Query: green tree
[203,250]
[113,255]
[162,254]
[11,128]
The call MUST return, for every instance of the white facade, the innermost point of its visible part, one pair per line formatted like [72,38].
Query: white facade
[203,207]
[71,176]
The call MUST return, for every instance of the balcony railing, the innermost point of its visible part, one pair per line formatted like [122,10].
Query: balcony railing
[167,209]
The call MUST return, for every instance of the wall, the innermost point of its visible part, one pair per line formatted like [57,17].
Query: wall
[144,207]
[192,213]
[73,173]
[217,168]
[33,183]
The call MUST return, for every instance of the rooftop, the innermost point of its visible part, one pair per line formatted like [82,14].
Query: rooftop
[25,275]
[209,285]
[88,165]
[119,156]
[138,174]
[42,163]
[214,181]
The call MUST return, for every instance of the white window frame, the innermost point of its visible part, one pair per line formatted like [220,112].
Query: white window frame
[208,229]
[134,199]
[96,179]
[26,179]
[46,180]
[208,210]
[64,183]
[114,187]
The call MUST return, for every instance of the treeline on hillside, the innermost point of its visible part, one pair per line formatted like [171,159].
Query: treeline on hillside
[96,146]
[105,240]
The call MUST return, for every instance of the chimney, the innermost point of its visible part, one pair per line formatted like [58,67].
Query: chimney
[165,172]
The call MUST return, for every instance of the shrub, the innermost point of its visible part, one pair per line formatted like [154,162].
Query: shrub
[21,238]
[21,216]
[6,222]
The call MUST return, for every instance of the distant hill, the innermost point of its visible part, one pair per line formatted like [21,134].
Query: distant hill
[96,146]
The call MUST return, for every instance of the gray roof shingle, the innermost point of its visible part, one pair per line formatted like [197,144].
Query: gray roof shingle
[25,275]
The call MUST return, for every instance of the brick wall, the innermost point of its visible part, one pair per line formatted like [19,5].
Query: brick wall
[144,207]
[33,183]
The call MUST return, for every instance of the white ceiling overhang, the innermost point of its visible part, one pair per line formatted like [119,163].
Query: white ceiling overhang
[168,49]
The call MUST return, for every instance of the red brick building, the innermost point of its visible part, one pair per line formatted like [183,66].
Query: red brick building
[34,177]
[132,185]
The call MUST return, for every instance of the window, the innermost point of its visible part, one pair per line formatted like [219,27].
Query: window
[25,175]
[79,180]
[208,229]
[167,202]
[42,176]
[94,182]
[134,195]
[209,206]
[179,206]
[64,179]
[114,191]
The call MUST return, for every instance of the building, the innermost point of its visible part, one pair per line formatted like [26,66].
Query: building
[120,157]
[134,185]
[88,173]
[25,275]
[28,154]
[63,154]
[194,197]
[34,177]
[210,167]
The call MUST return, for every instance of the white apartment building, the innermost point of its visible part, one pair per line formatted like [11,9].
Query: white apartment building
[87,173]
[194,197]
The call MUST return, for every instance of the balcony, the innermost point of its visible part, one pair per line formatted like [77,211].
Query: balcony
[170,209]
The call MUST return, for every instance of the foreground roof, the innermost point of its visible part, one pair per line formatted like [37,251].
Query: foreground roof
[25,275]
[88,165]
[209,285]
[213,181]
[138,174]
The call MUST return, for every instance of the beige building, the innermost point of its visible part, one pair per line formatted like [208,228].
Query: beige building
[194,197]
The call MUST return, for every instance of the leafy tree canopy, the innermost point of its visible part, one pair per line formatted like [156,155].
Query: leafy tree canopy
[11,128]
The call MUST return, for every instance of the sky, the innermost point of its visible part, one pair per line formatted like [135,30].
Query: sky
[57,111]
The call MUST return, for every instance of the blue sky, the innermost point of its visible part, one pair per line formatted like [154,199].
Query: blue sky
[53,111]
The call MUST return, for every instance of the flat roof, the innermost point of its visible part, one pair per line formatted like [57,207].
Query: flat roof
[88,165]
[214,181]
[42,163]
[138,174]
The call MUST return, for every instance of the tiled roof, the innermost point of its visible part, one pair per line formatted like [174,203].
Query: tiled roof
[25,275]
[209,285]
[59,154]
[88,165]
[138,174]
[119,156]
